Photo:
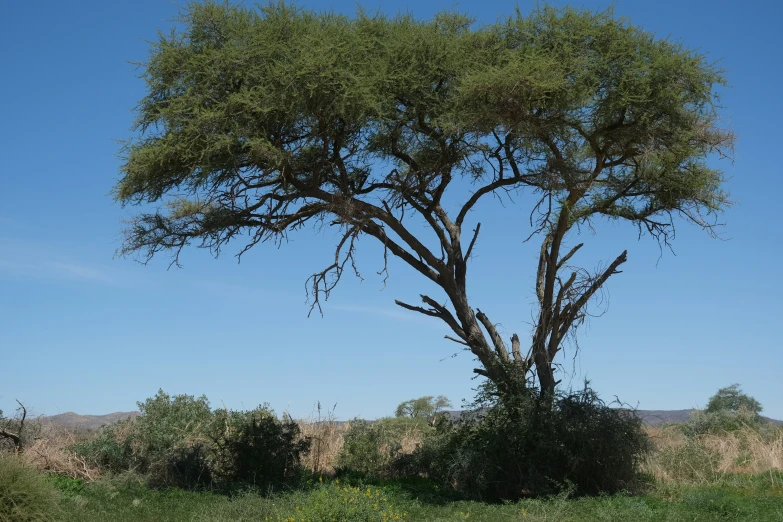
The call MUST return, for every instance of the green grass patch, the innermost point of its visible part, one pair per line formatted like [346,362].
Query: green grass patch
[756,499]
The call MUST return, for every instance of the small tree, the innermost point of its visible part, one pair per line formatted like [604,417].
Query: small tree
[423,407]
[258,123]
[728,410]
[732,399]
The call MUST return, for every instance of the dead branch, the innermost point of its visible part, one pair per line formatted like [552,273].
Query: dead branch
[16,438]
[473,241]
[500,346]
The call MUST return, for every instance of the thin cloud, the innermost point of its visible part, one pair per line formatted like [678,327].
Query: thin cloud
[81,273]
[30,260]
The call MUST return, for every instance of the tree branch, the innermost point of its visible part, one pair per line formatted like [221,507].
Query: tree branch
[500,346]
[568,256]
[435,310]
[473,241]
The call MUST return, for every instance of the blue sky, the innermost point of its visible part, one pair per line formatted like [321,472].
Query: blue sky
[81,331]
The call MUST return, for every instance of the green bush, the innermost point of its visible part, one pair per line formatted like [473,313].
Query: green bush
[25,495]
[166,442]
[110,449]
[256,448]
[371,448]
[180,441]
[728,410]
[703,422]
[527,447]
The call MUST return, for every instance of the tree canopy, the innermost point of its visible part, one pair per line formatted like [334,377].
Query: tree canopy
[733,399]
[259,122]
[423,407]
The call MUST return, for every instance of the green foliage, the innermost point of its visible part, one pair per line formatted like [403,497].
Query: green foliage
[701,422]
[25,495]
[371,448]
[423,407]
[180,441]
[255,448]
[111,448]
[732,399]
[325,502]
[528,447]
[738,500]
[258,122]
[291,108]
[728,410]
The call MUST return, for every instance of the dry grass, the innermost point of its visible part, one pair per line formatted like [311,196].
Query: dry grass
[327,441]
[411,440]
[50,452]
[706,458]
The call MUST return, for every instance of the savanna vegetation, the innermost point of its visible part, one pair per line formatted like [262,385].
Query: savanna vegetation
[181,460]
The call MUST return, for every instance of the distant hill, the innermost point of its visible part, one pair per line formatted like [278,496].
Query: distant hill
[90,422]
[658,417]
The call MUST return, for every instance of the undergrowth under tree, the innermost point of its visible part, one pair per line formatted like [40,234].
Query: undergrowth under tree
[259,122]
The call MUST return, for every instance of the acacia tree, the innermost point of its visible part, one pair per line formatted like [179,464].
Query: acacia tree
[732,399]
[423,407]
[259,122]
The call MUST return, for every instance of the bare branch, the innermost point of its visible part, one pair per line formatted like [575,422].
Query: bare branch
[500,346]
[436,310]
[456,340]
[321,283]
[473,241]
[16,438]
[515,348]
[568,256]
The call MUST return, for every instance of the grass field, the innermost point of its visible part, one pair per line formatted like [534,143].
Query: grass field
[738,498]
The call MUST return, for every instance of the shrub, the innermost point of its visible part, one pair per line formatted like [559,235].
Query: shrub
[165,443]
[705,422]
[370,448]
[25,495]
[527,447]
[728,410]
[110,450]
[257,449]
[180,441]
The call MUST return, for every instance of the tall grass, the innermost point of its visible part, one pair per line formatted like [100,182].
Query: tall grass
[711,457]
[326,440]
[25,495]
